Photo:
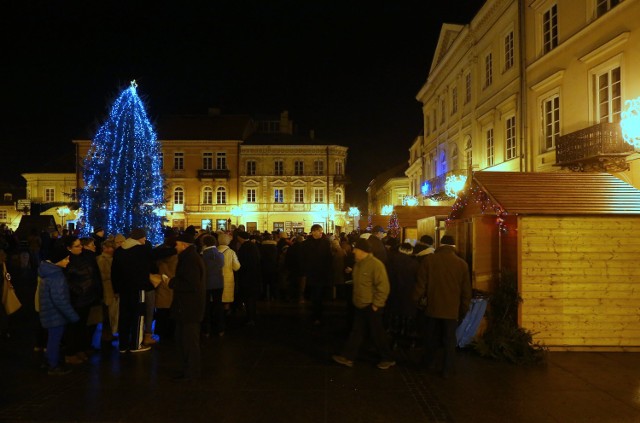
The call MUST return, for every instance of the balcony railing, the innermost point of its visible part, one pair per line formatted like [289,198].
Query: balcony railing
[596,148]
[436,186]
[213,174]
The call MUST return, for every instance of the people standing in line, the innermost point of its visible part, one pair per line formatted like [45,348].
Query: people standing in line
[55,307]
[249,275]
[213,321]
[317,270]
[377,246]
[187,308]
[85,287]
[444,278]
[130,274]
[109,298]
[231,264]
[423,247]
[370,292]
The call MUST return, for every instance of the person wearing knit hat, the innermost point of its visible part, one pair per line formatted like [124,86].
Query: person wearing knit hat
[370,291]
[55,306]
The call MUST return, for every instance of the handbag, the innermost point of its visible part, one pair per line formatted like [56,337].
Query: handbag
[10,300]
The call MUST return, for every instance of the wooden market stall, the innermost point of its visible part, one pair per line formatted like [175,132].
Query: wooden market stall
[572,239]
[408,218]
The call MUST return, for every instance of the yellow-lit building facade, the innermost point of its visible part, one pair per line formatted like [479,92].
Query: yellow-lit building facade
[535,86]
[471,102]
[388,189]
[582,62]
[53,190]
[216,178]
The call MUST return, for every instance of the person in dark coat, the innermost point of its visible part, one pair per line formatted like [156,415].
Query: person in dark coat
[269,266]
[214,311]
[401,310]
[294,263]
[130,272]
[377,246]
[317,269]
[249,275]
[444,277]
[187,308]
[85,286]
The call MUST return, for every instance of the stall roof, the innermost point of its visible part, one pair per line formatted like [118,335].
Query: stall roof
[559,193]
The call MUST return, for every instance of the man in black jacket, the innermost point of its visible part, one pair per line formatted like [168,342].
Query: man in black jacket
[317,269]
[130,273]
[187,308]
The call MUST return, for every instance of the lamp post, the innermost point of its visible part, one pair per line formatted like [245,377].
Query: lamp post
[63,212]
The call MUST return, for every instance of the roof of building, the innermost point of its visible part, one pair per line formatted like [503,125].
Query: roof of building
[204,127]
[395,171]
[283,139]
[556,193]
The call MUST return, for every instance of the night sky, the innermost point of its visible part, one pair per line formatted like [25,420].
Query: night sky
[349,70]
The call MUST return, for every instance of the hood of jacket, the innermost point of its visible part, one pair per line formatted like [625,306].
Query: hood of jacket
[130,243]
[47,269]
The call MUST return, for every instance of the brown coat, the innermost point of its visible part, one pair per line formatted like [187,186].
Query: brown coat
[164,294]
[445,278]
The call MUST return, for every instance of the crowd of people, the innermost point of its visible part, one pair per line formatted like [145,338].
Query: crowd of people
[401,294]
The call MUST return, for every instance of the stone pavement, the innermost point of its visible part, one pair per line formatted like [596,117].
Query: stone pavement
[281,371]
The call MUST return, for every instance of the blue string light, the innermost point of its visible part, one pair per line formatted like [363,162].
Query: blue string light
[123,181]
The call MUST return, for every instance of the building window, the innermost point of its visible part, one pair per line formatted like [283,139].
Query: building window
[608,96]
[207,195]
[318,167]
[339,168]
[251,195]
[339,198]
[443,164]
[551,116]
[161,160]
[298,195]
[454,158]
[207,161]
[251,167]
[489,143]
[278,195]
[178,195]
[550,29]
[467,88]
[3,215]
[278,226]
[603,6]
[454,100]
[469,154]
[221,195]
[278,168]
[508,51]
[298,169]
[49,195]
[510,137]
[178,161]
[318,195]
[221,161]
[488,70]
[8,196]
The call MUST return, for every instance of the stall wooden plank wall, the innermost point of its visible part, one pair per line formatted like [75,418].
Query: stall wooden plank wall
[580,281]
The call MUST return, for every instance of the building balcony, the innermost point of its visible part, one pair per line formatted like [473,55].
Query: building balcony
[435,187]
[208,174]
[598,148]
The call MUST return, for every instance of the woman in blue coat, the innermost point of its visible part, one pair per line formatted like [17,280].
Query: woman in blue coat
[55,306]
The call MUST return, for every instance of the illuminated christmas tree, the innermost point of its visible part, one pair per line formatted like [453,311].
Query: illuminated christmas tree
[394,225]
[123,182]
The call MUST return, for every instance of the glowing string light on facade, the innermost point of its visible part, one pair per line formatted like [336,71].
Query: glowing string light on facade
[386,210]
[630,122]
[410,200]
[454,184]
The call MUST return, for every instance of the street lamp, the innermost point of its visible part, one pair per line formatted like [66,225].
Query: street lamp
[63,212]
[354,212]
[237,212]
